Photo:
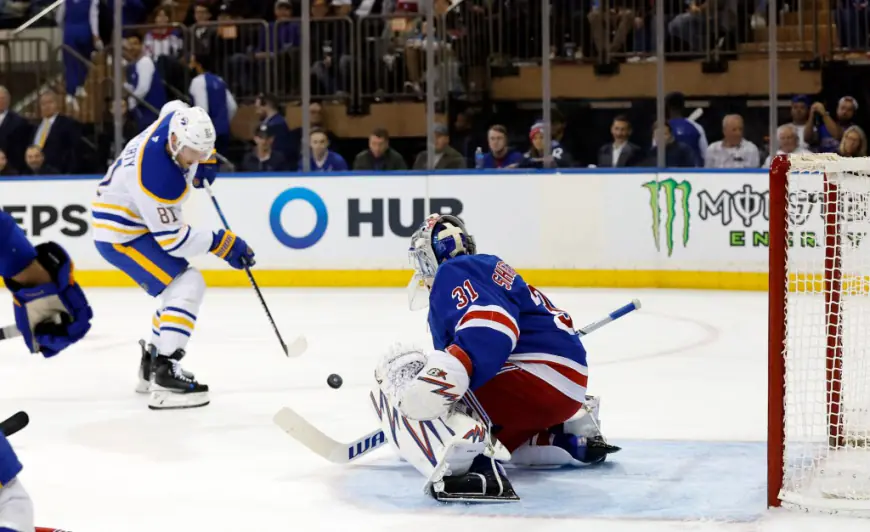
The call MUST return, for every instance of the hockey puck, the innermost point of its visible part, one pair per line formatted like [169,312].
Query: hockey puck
[334,381]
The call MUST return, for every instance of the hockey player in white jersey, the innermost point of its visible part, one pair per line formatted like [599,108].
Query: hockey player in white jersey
[139,228]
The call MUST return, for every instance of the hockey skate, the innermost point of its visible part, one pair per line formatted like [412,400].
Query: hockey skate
[485,481]
[171,388]
[144,383]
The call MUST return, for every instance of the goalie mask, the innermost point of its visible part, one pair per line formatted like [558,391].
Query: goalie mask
[440,238]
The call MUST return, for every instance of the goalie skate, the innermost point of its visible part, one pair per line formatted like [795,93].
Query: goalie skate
[485,481]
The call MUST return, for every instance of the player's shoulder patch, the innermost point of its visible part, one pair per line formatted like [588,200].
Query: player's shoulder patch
[159,177]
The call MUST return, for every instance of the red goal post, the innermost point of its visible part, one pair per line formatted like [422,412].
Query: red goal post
[819,333]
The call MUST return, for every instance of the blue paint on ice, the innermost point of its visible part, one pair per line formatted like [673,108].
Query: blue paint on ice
[667,480]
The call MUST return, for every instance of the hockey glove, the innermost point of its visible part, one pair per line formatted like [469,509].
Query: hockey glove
[206,172]
[231,248]
[55,315]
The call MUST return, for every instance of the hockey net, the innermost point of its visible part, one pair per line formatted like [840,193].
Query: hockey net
[819,333]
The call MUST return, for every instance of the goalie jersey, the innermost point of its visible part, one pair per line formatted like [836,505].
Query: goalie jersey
[143,192]
[483,312]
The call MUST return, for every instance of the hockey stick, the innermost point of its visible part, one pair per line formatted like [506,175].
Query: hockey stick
[337,452]
[10,331]
[300,344]
[15,423]
[615,315]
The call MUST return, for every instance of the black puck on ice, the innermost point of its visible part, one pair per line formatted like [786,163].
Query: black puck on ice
[334,381]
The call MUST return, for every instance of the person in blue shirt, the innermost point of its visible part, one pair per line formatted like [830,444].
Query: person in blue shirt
[500,155]
[209,91]
[144,81]
[283,140]
[684,130]
[81,33]
[322,158]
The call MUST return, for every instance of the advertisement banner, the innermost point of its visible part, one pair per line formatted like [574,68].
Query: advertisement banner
[345,223]
[710,221]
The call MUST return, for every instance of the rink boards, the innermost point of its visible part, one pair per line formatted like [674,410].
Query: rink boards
[674,229]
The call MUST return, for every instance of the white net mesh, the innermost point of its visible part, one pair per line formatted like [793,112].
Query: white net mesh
[827,364]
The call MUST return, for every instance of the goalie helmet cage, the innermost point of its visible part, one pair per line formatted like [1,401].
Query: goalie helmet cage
[819,327]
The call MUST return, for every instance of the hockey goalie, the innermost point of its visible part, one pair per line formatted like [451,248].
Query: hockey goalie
[505,383]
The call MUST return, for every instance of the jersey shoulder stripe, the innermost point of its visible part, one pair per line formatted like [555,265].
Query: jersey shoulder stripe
[159,177]
[491,317]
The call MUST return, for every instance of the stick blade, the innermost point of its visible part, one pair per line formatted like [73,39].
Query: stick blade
[296,347]
[308,435]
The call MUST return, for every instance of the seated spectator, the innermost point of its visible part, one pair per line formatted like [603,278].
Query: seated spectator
[500,154]
[270,116]
[322,158]
[854,143]
[15,133]
[209,91]
[57,137]
[800,115]
[380,157]
[36,163]
[446,158]
[202,33]
[317,120]
[534,158]
[693,27]
[164,40]
[262,158]
[143,82]
[280,42]
[822,131]
[618,19]
[330,49]
[620,152]
[194,13]
[787,139]
[231,47]
[463,138]
[5,167]
[164,45]
[733,151]
[677,154]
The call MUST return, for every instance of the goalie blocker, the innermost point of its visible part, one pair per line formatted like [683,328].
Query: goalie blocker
[502,338]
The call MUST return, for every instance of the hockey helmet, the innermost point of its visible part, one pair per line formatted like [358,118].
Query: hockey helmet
[440,238]
[193,129]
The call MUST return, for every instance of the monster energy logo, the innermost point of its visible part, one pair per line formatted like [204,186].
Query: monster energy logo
[743,205]
[670,188]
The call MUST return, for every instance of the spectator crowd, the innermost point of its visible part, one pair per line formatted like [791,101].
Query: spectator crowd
[222,53]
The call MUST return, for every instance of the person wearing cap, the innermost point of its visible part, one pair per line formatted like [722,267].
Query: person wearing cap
[285,141]
[262,158]
[823,131]
[534,158]
[379,157]
[446,157]
[800,115]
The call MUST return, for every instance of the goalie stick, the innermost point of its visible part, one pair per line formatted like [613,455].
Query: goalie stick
[337,452]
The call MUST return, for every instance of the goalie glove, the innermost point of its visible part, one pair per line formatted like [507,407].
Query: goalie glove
[422,385]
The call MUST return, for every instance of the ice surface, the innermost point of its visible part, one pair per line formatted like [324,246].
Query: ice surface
[683,384]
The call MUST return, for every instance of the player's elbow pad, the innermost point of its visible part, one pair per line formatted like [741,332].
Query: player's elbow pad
[439,384]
